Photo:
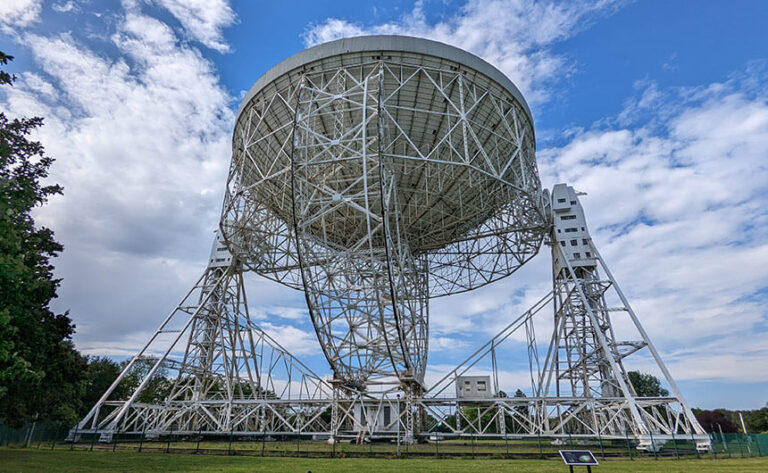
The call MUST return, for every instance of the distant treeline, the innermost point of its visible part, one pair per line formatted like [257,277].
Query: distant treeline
[756,421]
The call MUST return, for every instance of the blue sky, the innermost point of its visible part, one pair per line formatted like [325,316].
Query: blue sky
[657,110]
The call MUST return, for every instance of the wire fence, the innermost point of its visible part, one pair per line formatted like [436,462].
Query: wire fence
[42,435]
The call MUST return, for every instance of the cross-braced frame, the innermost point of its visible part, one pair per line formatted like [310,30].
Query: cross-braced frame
[374,174]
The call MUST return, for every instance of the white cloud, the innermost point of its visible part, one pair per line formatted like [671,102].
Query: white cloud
[296,341]
[19,13]
[203,20]
[513,35]
[65,7]
[677,206]
[677,199]
[141,141]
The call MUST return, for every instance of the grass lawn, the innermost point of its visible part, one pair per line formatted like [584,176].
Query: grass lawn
[19,460]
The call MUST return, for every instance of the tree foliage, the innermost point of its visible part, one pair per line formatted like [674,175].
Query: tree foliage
[755,420]
[40,371]
[646,385]
[715,421]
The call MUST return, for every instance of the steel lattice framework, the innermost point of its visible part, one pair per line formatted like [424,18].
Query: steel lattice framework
[373,174]
[374,181]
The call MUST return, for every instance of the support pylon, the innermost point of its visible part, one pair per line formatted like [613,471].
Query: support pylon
[585,359]
[222,372]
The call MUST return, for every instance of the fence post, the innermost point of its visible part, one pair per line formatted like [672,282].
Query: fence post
[653,446]
[538,436]
[698,455]
[168,444]
[74,439]
[229,448]
[629,450]
[600,441]
[143,434]
[199,436]
[53,437]
[506,441]
[29,434]
[114,441]
[674,443]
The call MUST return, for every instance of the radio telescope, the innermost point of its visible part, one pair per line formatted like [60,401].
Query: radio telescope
[374,174]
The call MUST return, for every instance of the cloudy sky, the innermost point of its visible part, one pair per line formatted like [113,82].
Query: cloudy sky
[657,111]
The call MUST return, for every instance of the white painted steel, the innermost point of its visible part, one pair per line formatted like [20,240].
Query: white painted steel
[374,173]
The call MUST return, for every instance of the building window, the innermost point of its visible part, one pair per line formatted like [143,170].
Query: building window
[582,229]
[568,217]
[573,202]
[585,241]
[574,242]
[387,415]
[561,201]
[221,249]
[562,243]
[588,254]
[577,255]
[481,386]
[571,230]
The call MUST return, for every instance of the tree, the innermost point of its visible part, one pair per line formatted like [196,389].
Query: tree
[646,385]
[100,374]
[715,421]
[40,371]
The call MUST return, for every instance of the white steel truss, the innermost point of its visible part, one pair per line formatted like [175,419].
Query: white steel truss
[232,377]
[374,181]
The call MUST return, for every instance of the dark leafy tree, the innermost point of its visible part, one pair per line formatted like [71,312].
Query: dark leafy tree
[40,371]
[755,420]
[158,387]
[100,374]
[646,385]
[713,421]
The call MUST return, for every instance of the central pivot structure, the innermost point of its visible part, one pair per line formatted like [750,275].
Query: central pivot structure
[375,173]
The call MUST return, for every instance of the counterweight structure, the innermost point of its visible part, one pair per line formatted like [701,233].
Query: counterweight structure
[373,174]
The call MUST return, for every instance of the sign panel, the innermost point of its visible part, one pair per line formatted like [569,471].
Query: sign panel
[578,457]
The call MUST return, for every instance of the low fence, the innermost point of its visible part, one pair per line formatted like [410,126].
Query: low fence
[53,437]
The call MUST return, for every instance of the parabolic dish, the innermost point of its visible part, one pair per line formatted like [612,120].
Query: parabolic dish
[456,132]
[375,173]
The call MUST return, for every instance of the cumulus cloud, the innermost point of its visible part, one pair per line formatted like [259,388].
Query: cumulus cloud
[293,339]
[141,141]
[678,207]
[65,7]
[514,35]
[203,20]
[677,192]
[19,13]
[677,184]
